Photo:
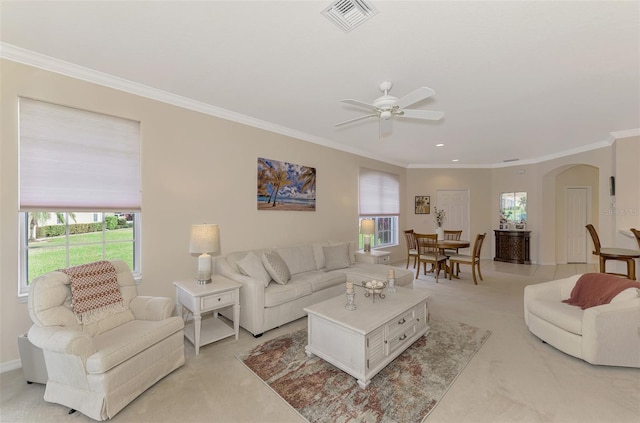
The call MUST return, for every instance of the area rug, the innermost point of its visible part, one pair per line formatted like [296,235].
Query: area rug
[404,391]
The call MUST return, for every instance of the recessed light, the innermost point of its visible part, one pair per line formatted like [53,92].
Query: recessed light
[455,160]
[439,145]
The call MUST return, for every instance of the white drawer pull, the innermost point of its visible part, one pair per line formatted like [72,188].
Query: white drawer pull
[403,337]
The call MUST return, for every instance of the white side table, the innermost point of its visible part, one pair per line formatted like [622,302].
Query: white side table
[373,257]
[211,297]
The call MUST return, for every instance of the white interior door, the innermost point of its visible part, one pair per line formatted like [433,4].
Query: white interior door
[456,204]
[577,217]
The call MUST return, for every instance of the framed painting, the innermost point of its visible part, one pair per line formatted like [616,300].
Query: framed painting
[423,204]
[286,186]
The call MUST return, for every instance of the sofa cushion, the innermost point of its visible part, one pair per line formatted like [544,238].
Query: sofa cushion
[276,267]
[336,257]
[125,341]
[320,279]
[559,314]
[299,259]
[252,266]
[275,294]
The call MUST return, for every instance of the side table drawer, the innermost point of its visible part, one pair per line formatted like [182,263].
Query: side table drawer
[216,301]
[384,259]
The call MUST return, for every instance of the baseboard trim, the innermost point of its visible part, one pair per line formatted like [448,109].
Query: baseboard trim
[10,365]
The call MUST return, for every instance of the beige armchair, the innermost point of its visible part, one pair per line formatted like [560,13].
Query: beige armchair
[606,334]
[98,368]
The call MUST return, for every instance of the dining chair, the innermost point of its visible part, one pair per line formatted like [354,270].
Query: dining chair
[472,260]
[454,235]
[614,254]
[636,232]
[412,251]
[428,252]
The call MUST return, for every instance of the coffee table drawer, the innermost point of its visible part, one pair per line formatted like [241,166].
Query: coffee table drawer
[400,324]
[399,340]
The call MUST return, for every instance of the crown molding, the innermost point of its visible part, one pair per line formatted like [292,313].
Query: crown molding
[31,58]
[565,153]
[41,61]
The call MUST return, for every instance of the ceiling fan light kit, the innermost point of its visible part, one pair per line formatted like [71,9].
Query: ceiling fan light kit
[388,106]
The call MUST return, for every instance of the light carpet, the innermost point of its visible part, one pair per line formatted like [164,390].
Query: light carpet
[405,391]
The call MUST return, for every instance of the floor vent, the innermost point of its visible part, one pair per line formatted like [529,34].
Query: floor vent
[348,14]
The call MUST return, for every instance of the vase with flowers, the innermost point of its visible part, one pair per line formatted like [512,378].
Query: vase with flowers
[440,216]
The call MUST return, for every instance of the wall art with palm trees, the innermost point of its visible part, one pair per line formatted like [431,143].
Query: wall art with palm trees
[286,186]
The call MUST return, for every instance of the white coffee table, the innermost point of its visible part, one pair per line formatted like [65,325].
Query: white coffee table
[362,342]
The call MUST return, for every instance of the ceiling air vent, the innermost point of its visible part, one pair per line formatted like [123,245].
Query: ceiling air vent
[348,14]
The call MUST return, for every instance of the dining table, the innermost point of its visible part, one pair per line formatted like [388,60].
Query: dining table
[451,244]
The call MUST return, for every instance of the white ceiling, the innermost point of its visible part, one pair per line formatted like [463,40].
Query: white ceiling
[526,80]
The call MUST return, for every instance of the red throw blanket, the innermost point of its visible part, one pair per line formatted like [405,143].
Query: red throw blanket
[94,290]
[594,289]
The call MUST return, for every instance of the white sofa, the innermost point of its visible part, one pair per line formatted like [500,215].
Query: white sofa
[317,273]
[99,367]
[607,334]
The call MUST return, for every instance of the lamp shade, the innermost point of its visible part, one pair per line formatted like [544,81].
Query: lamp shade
[205,238]
[367,227]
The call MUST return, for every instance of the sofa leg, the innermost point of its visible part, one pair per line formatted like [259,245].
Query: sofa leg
[258,335]
[71,411]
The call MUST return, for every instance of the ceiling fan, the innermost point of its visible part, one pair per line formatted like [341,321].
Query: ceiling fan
[388,106]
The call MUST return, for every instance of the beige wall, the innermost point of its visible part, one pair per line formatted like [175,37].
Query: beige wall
[197,168]
[428,181]
[627,200]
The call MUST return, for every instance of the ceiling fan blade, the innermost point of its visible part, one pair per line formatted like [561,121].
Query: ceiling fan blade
[355,119]
[414,97]
[360,104]
[420,114]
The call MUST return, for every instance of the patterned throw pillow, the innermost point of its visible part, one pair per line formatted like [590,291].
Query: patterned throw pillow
[252,266]
[276,267]
[336,257]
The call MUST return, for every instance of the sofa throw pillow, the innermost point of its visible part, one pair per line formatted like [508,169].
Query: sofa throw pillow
[276,267]
[252,266]
[336,257]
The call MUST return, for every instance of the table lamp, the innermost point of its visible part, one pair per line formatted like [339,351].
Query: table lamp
[367,228]
[205,239]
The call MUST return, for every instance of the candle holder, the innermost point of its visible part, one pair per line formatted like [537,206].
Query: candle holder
[391,285]
[373,288]
[351,305]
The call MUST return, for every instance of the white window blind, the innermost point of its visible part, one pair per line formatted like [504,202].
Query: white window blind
[75,160]
[379,193]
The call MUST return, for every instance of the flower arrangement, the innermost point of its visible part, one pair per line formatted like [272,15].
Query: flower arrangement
[440,216]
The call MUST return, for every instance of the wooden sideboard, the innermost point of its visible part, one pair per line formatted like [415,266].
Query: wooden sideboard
[512,246]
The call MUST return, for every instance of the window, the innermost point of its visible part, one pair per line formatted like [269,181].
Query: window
[386,231]
[380,200]
[79,189]
[48,245]
[513,207]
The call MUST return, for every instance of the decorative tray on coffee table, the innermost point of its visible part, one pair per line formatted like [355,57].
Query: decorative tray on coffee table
[374,288]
